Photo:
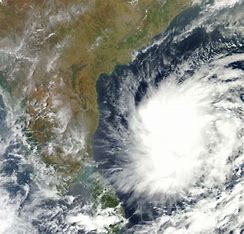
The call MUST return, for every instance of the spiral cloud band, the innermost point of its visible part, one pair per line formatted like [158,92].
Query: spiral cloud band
[171,136]
[187,134]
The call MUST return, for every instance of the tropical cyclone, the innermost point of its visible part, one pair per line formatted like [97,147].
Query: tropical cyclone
[170,136]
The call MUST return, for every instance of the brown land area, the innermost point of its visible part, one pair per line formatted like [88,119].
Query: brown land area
[94,36]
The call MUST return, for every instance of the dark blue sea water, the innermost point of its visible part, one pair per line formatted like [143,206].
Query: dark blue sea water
[205,42]
[191,38]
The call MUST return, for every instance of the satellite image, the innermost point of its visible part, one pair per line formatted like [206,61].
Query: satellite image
[122,116]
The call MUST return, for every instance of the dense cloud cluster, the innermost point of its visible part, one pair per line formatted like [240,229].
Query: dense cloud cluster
[170,137]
